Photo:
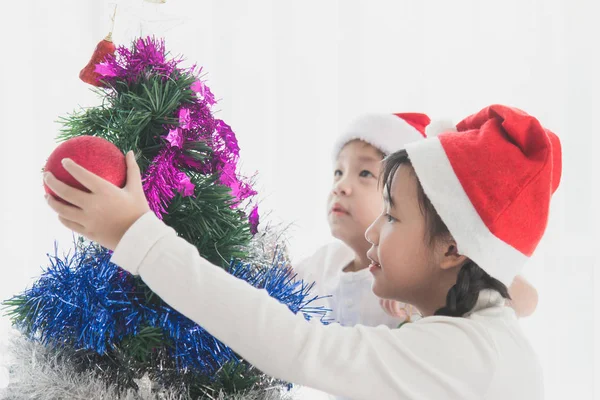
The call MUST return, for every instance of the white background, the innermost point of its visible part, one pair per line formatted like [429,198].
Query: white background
[291,75]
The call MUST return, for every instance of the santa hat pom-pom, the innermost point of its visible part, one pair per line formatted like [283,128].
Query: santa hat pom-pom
[439,126]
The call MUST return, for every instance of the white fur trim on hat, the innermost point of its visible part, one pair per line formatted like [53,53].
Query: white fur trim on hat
[439,126]
[473,237]
[386,132]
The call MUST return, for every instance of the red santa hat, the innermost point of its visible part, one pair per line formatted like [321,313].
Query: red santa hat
[491,183]
[386,132]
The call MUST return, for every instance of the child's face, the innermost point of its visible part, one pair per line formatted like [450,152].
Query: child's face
[404,264]
[355,200]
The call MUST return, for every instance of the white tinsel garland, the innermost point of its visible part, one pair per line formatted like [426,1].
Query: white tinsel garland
[36,372]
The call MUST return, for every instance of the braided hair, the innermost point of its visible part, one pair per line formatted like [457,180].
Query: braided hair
[463,295]
[471,279]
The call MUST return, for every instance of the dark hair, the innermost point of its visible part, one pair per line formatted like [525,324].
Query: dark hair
[471,278]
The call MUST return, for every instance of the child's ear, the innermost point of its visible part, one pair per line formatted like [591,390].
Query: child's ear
[452,258]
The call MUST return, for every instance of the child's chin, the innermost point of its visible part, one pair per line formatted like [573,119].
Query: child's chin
[378,290]
[337,231]
[342,238]
[382,289]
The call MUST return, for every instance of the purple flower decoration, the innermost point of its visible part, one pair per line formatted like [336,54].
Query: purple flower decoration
[164,178]
[146,56]
[240,190]
[254,221]
[228,176]
[106,70]
[175,138]
[198,87]
[161,182]
[204,92]
[184,118]
[186,187]
[228,137]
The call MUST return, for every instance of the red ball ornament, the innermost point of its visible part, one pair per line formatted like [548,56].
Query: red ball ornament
[95,154]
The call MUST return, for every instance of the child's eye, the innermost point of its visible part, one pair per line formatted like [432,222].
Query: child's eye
[337,172]
[390,218]
[365,174]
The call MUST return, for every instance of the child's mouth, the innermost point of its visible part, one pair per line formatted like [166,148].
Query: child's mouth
[374,267]
[339,210]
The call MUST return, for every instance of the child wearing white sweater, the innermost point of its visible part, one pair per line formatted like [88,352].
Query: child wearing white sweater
[463,213]
[340,269]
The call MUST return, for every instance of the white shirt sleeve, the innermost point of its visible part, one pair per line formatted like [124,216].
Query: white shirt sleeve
[436,358]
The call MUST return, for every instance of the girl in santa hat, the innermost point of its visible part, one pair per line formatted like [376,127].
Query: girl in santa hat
[340,269]
[463,212]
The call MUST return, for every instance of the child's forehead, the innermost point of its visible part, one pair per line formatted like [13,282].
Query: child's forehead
[360,151]
[403,186]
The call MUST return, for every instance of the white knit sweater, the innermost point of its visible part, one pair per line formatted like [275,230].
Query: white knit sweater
[347,294]
[484,356]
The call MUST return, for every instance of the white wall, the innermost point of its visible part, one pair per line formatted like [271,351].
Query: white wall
[292,74]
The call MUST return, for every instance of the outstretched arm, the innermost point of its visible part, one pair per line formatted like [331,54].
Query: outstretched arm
[413,362]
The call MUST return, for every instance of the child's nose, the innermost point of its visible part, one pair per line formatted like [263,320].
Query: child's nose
[372,233]
[342,187]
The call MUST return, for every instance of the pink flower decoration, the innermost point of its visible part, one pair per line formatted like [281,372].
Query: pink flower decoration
[184,118]
[186,187]
[198,87]
[105,70]
[254,220]
[160,182]
[203,91]
[175,138]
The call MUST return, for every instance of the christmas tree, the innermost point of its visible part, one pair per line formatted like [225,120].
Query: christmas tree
[98,321]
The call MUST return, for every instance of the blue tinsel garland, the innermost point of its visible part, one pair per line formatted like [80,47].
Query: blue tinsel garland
[86,302]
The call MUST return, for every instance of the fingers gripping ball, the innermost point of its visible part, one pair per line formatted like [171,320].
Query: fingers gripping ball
[95,154]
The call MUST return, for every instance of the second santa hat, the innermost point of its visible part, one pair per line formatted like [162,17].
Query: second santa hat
[386,132]
[491,183]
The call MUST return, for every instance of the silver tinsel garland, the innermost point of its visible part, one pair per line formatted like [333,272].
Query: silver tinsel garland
[269,243]
[45,373]
[39,372]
